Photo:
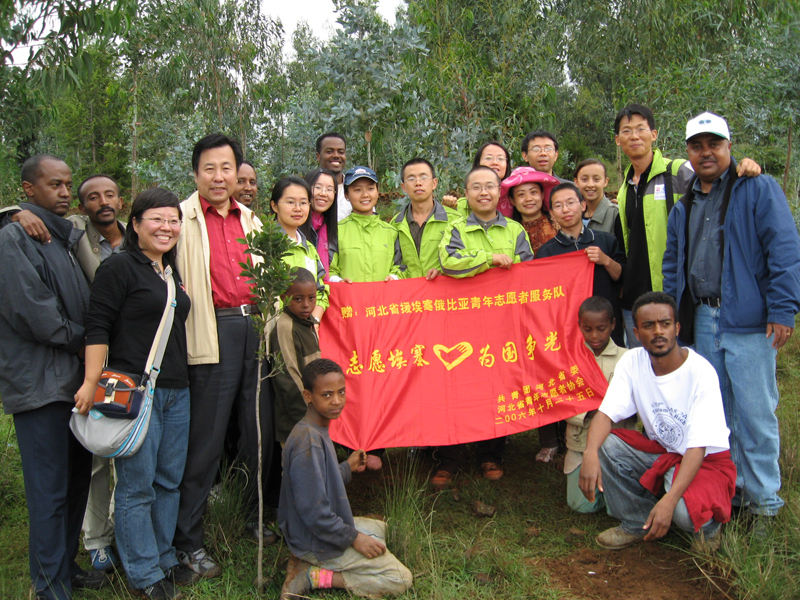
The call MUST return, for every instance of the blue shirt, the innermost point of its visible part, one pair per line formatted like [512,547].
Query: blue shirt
[705,235]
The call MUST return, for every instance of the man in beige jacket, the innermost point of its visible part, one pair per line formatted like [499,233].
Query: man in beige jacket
[221,341]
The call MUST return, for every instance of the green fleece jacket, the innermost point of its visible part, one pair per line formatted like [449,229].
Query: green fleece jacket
[467,248]
[367,250]
[297,342]
[305,255]
[655,210]
[419,263]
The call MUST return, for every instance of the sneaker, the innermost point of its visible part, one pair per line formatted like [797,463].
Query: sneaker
[707,545]
[374,462]
[492,471]
[617,538]
[546,454]
[442,479]
[160,590]
[297,583]
[761,526]
[199,562]
[90,580]
[270,537]
[103,559]
[181,574]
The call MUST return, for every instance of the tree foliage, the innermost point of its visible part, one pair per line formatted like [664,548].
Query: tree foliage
[446,76]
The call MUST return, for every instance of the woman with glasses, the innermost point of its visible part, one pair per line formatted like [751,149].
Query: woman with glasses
[290,205]
[321,228]
[495,156]
[128,298]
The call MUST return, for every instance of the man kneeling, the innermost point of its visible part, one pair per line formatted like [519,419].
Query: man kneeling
[330,549]
[682,471]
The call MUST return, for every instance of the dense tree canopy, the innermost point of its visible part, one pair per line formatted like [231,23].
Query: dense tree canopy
[127,87]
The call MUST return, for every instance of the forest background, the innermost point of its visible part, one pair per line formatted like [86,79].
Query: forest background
[126,87]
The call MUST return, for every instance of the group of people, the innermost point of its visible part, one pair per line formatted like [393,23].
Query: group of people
[701,252]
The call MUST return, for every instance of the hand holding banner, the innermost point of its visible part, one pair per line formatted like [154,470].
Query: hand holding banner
[433,363]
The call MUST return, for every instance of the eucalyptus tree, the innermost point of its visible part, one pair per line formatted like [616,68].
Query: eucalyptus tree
[44,47]
[196,66]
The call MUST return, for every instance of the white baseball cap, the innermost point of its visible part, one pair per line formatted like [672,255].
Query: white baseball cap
[708,123]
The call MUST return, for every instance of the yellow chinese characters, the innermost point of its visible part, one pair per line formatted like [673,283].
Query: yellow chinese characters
[396,359]
[486,359]
[376,363]
[510,352]
[354,368]
[551,343]
[416,355]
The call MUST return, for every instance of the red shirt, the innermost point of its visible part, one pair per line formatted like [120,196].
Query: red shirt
[228,286]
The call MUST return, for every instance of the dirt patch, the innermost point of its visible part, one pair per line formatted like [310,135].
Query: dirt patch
[642,572]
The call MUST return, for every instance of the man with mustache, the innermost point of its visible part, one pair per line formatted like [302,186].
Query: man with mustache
[732,265]
[681,472]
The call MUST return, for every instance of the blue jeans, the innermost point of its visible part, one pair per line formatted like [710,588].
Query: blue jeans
[147,498]
[630,337]
[745,365]
[627,500]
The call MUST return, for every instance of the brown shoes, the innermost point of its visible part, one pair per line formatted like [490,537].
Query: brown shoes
[442,479]
[492,471]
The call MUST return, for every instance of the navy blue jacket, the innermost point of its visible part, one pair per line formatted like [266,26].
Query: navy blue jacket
[761,258]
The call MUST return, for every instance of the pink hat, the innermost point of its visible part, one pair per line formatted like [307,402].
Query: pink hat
[528,175]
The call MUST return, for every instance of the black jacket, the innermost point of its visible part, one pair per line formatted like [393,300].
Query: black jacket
[43,300]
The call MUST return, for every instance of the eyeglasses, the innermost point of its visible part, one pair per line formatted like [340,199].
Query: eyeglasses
[159,221]
[422,179]
[477,187]
[294,204]
[627,132]
[545,149]
[497,159]
[319,188]
[559,206]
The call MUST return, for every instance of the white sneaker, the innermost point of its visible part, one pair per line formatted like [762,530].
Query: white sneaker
[199,562]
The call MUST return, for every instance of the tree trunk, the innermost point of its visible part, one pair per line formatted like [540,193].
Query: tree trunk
[788,164]
[260,559]
[135,141]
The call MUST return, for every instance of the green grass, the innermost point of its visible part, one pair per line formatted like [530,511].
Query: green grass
[453,553]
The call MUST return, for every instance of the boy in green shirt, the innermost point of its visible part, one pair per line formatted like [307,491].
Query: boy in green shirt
[423,221]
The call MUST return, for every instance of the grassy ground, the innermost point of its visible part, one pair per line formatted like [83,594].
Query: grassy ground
[526,550]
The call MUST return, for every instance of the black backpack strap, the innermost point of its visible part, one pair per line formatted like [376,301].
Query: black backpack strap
[668,183]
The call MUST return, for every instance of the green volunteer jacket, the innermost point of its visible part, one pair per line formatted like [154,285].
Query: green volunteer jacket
[418,264]
[305,255]
[655,209]
[367,250]
[466,249]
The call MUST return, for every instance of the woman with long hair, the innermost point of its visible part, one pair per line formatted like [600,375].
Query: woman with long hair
[322,228]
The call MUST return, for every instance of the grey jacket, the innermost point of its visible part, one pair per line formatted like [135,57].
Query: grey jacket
[43,299]
[87,252]
[88,249]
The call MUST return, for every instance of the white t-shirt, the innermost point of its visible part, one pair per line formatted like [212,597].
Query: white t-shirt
[680,410]
[343,206]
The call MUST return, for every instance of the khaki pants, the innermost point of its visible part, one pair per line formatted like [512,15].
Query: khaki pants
[368,576]
[98,522]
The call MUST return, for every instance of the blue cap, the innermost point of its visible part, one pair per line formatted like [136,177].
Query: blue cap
[357,173]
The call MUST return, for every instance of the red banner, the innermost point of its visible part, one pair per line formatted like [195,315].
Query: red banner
[432,363]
